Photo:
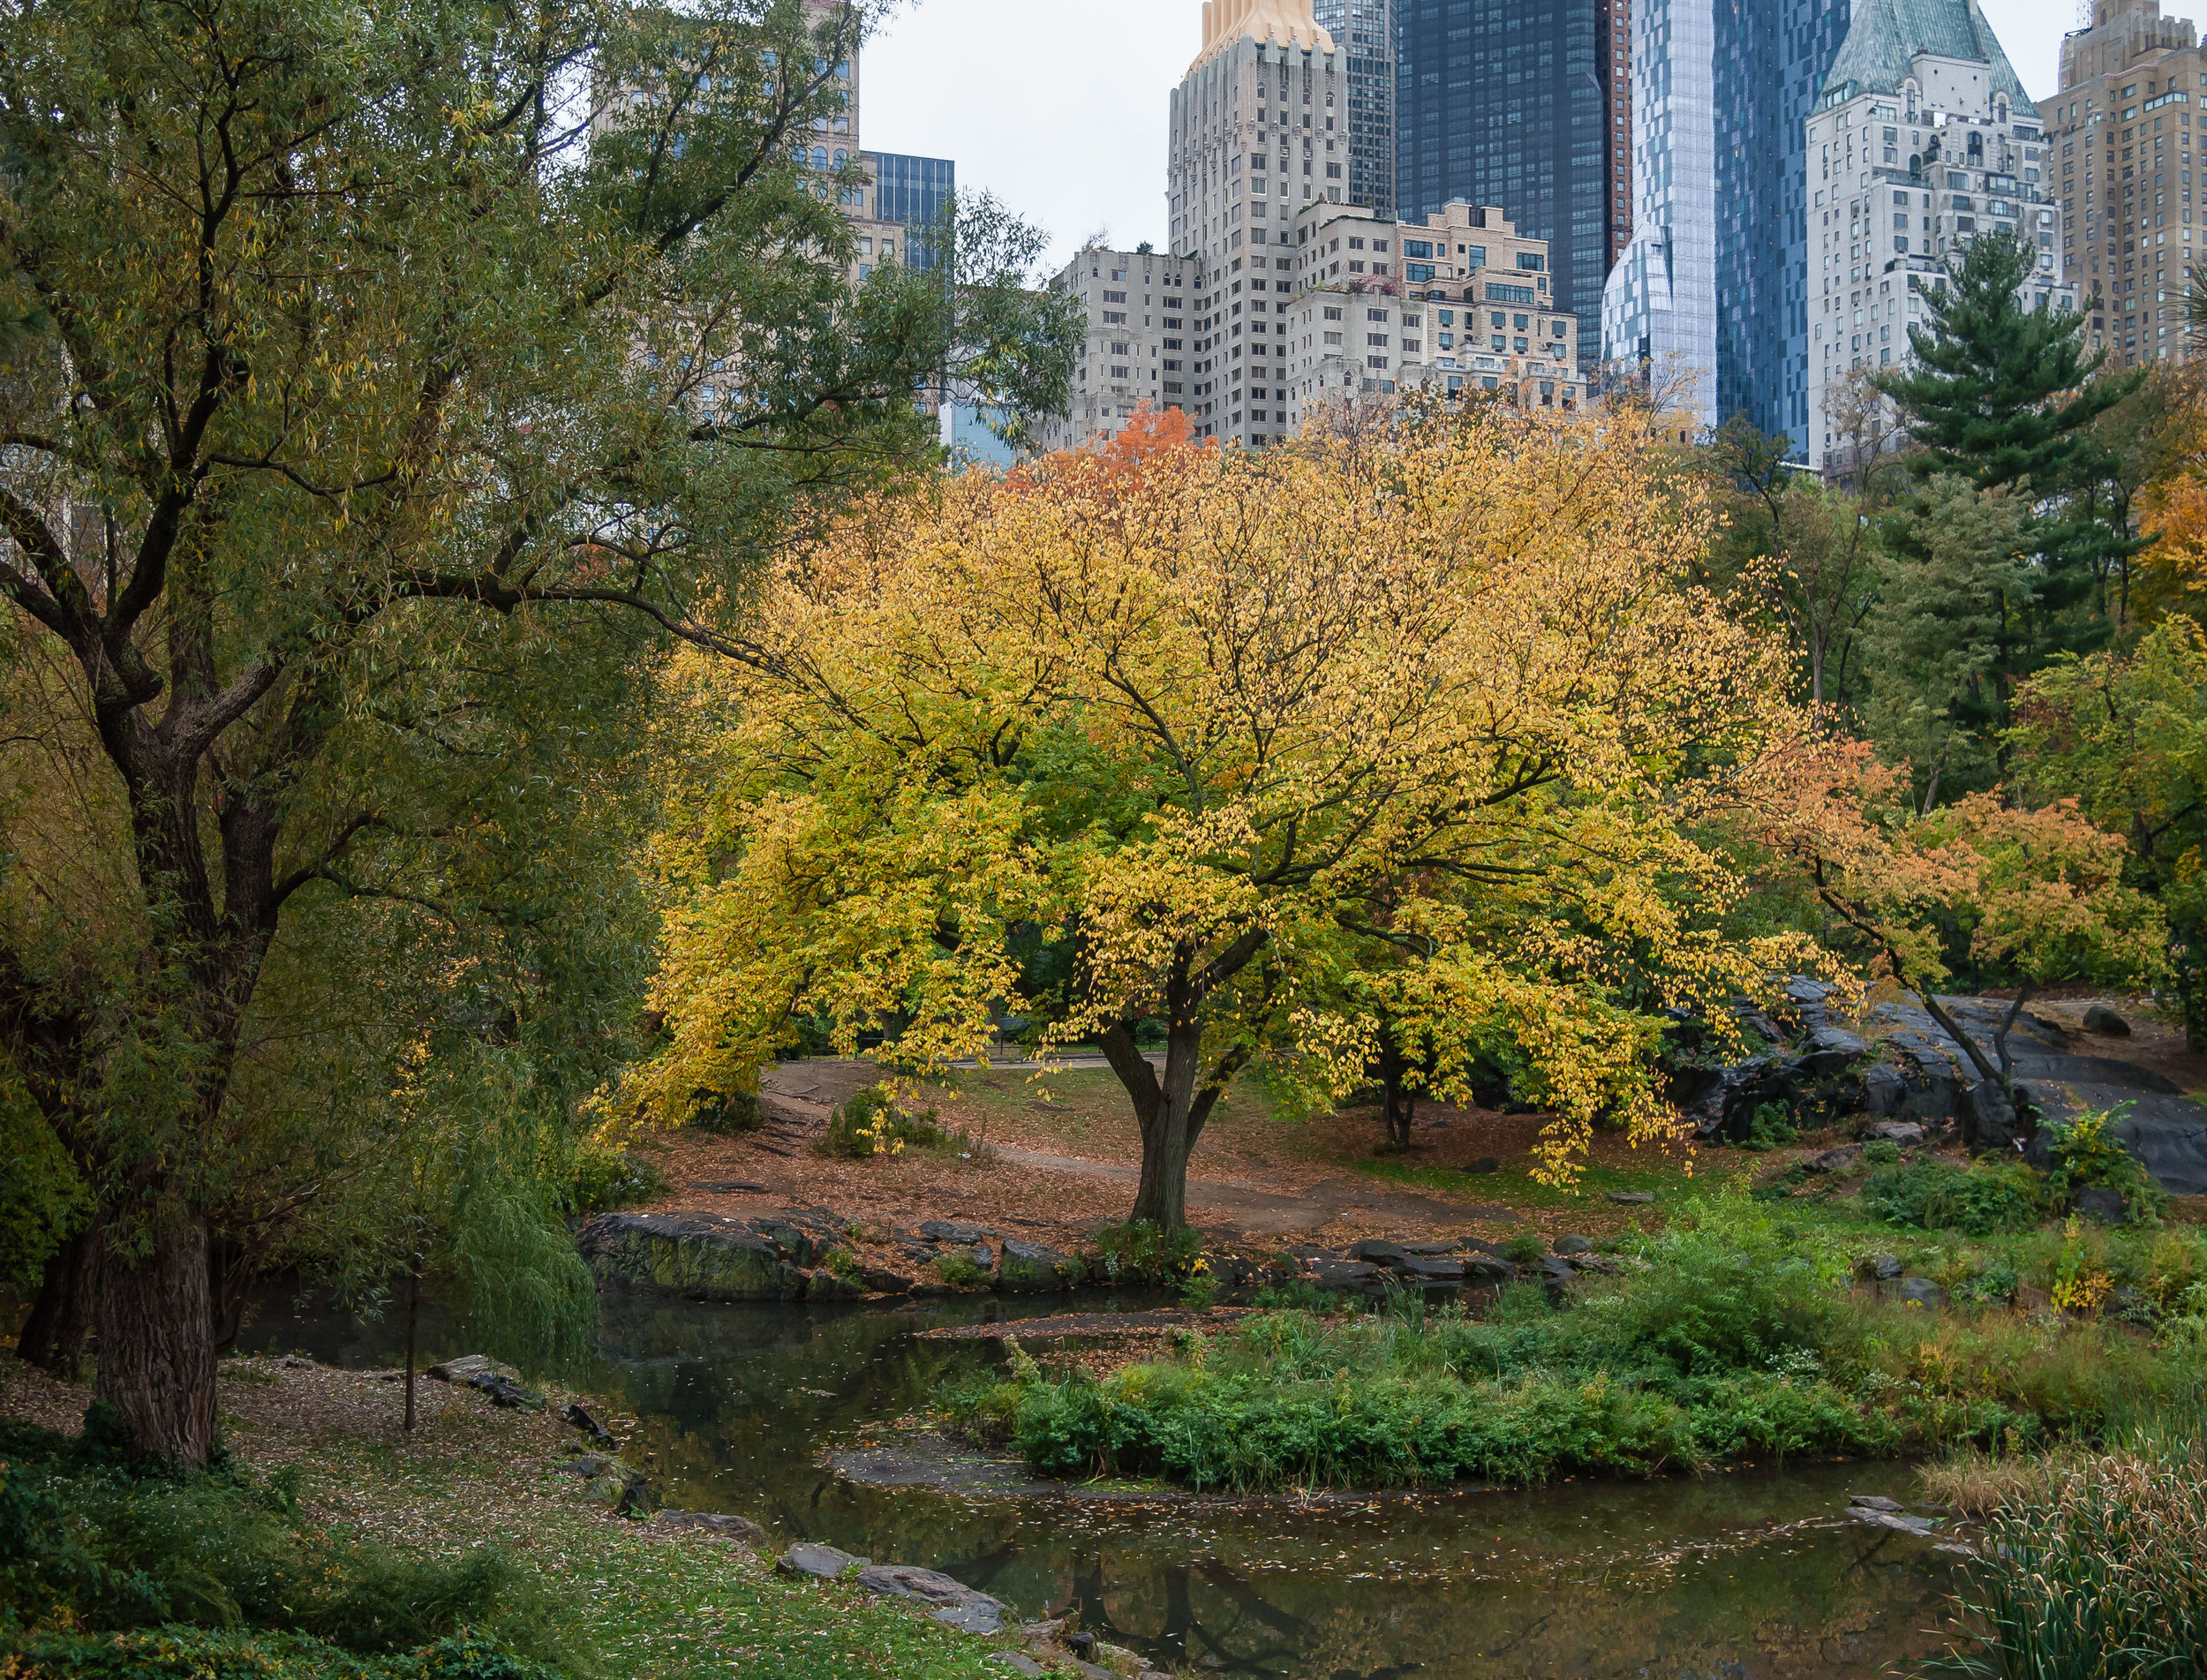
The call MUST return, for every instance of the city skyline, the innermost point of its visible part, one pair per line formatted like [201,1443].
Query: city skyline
[974,80]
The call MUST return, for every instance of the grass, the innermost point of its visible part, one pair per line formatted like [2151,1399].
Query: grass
[2098,1573]
[1741,1339]
[570,1590]
[1515,1185]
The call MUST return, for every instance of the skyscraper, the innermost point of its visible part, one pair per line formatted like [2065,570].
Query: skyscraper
[1363,33]
[1769,64]
[2131,83]
[914,191]
[1715,280]
[1258,130]
[1501,103]
[1659,305]
[1918,146]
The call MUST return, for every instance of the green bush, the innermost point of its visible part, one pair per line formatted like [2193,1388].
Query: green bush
[1770,1127]
[108,1547]
[1977,1201]
[1141,1252]
[870,1124]
[2085,1151]
[729,1116]
[607,1177]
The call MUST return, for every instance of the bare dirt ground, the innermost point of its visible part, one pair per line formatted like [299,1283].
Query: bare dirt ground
[1055,1155]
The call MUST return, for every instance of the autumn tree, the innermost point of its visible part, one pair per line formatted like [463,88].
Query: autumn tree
[1233,727]
[370,358]
[2029,897]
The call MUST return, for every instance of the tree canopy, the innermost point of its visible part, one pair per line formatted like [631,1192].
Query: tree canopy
[366,362]
[1239,733]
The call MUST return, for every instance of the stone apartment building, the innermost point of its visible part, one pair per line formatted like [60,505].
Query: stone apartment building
[1135,350]
[1922,141]
[2133,96]
[1497,324]
[1258,128]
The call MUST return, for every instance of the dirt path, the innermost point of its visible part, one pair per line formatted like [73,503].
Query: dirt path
[1277,1213]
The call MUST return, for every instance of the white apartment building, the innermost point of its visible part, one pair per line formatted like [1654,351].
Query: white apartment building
[1135,348]
[1920,143]
[1258,130]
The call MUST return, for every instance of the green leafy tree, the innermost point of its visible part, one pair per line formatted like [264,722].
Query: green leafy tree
[367,339]
[1949,618]
[1806,552]
[2125,735]
[2002,398]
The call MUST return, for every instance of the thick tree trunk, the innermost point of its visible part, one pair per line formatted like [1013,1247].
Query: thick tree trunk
[61,1317]
[157,1340]
[1168,1132]
[1399,1105]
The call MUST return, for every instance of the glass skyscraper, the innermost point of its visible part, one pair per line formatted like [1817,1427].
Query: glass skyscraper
[914,191]
[1770,60]
[1714,284]
[1501,103]
[1363,34]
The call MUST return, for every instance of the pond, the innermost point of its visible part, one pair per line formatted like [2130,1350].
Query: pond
[1728,1575]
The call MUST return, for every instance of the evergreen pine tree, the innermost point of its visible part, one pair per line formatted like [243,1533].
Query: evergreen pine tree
[2002,398]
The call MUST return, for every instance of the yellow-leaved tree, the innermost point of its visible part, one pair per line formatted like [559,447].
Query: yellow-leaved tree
[1408,736]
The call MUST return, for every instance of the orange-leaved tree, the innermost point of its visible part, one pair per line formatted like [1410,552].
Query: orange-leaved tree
[1254,754]
[2033,897]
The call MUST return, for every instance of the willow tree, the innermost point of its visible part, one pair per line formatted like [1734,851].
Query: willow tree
[348,337]
[1411,728]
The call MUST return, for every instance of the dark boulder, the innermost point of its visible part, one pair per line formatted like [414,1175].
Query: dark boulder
[1884,1090]
[1902,1132]
[1922,1292]
[1349,1276]
[1377,1250]
[696,1256]
[1426,1269]
[1826,1051]
[1029,1268]
[949,1231]
[953,1603]
[881,1281]
[1840,1160]
[821,1563]
[740,1529]
[576,1413]
[1990,1123]
[2100,1019]
[2106,1206]
[1574,1243]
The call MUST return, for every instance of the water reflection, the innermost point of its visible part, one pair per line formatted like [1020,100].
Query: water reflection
[737,1407]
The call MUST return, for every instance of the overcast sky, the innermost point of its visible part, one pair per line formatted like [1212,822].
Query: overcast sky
[1058,107]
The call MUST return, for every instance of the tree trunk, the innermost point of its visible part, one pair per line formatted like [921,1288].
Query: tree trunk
[61,1317]
[1167,1133]
[156,1341]
[413,1323]
[1398,1105]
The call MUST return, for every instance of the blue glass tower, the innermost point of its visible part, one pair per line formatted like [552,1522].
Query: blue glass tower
[1505,103]
[1769,61]
[914,191]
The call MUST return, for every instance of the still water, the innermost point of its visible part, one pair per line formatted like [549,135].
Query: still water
[1717,1577]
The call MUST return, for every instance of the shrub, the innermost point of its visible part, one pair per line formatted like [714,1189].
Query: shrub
[1770,1127]
[1881,1152]
[729,1116]
[193,1654]
[1933,1195]
[1141,1252]
[607,1177]
[2086,1151]
[108,1547]
[870,1124]
[959,1269]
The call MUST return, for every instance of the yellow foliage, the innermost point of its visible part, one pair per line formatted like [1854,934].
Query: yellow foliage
[1417,733]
